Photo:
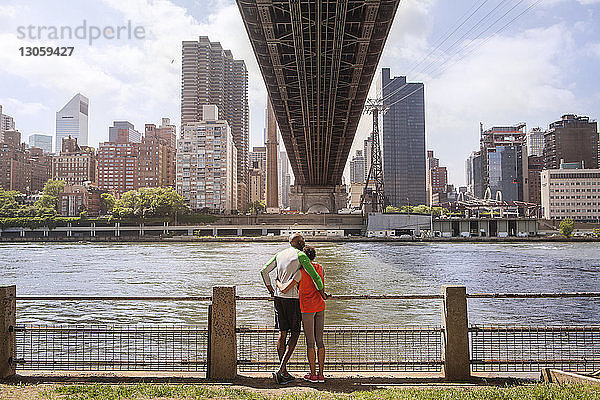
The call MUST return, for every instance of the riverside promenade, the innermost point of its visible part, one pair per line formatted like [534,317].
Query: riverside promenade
[224,350]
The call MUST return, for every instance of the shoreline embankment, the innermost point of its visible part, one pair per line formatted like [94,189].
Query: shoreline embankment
[278,239]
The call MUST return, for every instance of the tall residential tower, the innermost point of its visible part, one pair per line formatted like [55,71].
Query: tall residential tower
[211,76]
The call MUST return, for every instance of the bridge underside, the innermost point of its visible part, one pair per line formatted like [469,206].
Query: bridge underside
[318,59]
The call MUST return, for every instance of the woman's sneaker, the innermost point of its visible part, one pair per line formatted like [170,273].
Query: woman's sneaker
[321,378]
[311,378]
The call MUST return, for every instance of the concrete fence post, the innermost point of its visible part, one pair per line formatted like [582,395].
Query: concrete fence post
[222,348]
[455,322]
[8,319]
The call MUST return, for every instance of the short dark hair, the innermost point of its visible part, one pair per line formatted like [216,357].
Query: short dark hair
[310,252]
[297,241]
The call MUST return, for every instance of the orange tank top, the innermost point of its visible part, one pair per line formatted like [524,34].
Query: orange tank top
[310,298]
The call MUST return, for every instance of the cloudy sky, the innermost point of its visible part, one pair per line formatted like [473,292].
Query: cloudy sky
[490,61]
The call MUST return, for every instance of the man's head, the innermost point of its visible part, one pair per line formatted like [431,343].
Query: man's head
[310,252]
[297,241]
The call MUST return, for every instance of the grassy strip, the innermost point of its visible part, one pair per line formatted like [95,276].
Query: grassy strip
[145,391]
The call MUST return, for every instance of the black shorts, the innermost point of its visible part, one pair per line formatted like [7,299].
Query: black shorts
[287,314]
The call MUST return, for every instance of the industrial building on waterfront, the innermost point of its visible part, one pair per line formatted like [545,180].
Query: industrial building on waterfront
[571,193]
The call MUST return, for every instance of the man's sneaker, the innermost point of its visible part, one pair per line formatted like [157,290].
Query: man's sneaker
[279,378]
[288,377]
[311,378]
[321,378]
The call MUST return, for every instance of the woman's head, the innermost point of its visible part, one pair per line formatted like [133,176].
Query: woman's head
[310,252]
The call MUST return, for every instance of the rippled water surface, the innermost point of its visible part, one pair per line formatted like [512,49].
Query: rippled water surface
[159,269]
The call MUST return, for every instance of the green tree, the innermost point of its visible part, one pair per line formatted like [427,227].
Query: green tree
[150,202]
[107,203]
[392,209]
[49,199]
[566,227]
[596,232]
[421,209]
[406,209]
[9,206]
[256,207]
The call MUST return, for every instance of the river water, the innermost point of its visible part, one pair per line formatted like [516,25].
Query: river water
[180,269]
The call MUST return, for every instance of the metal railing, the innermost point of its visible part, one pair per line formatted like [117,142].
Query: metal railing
[349,348]
[111,347]
[527,349]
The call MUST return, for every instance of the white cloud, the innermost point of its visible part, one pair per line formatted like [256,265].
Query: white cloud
[11,104]
[509,80]
[138,80]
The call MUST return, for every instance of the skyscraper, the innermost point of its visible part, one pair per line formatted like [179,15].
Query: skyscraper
[123,131]
[258,169]
[272,188]
[72,120]
[285,179]
[403,140]
[571,139]
[44,142]
[211,76]
[357,168]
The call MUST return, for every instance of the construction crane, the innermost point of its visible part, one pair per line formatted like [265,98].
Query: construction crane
[376,197]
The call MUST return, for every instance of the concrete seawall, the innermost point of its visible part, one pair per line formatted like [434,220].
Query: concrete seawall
[276,239]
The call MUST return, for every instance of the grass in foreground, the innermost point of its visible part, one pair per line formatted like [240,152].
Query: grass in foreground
[196,392]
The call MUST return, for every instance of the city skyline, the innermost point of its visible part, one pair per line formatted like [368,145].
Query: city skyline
[147,83]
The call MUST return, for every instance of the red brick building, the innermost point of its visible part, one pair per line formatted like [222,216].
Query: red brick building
[157,156]
[118,167]
[75,164]
[124,165]
[75,199]
[21,169]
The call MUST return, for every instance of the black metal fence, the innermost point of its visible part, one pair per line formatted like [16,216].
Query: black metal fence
[111,347]
[349,348]
[528,349]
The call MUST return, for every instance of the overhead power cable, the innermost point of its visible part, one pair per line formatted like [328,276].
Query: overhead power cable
[448,35]
[477,47]
[470,30]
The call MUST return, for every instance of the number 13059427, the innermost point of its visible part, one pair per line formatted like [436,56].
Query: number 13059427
[46,51]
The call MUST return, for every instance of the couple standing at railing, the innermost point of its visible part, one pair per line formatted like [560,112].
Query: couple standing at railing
[299,296]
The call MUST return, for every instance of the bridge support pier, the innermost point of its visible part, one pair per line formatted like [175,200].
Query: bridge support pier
[318,199]
[8,319]
[455,355]
[222,348]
